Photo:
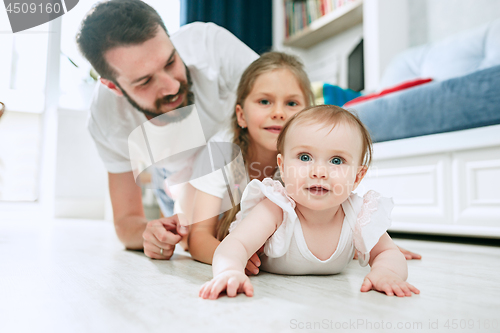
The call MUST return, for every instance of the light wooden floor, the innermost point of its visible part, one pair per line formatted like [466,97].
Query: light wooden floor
[74,276]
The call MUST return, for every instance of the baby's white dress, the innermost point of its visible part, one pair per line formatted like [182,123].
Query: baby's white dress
[286,252]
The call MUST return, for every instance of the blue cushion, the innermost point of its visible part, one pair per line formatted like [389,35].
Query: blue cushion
[335,95]
[460,103]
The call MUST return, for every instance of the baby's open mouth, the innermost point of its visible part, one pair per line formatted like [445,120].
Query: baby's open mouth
[318,189]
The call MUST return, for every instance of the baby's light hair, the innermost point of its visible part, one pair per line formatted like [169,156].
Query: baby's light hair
[329,115]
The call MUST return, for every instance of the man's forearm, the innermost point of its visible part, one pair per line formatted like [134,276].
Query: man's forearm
[129,231]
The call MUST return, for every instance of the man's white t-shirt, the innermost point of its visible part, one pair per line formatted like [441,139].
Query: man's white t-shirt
[213,183]
[215,59]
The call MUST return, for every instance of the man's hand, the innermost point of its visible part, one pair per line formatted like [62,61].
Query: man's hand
[161,236]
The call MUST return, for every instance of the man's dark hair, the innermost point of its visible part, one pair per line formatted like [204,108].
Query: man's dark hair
[112,24]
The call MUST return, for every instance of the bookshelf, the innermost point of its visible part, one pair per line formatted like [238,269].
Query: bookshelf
[328,25]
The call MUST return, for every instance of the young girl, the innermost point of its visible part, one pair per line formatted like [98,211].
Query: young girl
[273,88]
[314,224]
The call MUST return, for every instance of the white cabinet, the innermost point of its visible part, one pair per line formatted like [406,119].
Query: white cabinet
[445,183]
[417,184]
[476,187]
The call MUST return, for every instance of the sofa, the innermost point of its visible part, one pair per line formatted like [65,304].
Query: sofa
[437,145]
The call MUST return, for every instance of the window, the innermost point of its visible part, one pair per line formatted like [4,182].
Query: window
[23,57]
[23,64]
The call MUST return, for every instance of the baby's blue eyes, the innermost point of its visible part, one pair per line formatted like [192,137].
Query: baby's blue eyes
[307,158]
[264,102]
[336,160]
[304,157]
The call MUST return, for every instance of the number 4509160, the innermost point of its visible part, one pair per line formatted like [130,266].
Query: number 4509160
[471,324]
[32,8]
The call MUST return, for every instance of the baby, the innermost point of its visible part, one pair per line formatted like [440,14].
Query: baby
[314,224]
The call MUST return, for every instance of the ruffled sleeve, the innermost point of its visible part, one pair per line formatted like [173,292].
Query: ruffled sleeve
[372,222]
[256,191]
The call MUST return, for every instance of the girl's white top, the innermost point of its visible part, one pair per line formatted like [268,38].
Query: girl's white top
[286,252]
[215,183]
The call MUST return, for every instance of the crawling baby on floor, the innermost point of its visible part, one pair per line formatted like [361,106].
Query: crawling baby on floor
[314,223]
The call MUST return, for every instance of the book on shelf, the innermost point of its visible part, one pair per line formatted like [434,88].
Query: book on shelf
[300,13]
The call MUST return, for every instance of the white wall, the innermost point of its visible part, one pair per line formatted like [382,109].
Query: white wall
[448,17]
[81,179]
[433,20]
[20,145]
[389,27]
[385,33]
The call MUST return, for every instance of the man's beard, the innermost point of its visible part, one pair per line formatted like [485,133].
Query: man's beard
[173,115]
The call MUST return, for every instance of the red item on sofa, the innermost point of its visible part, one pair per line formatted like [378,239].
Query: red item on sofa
[402,86]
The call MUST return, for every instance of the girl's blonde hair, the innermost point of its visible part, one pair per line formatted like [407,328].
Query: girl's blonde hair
[267,62]
[329,115]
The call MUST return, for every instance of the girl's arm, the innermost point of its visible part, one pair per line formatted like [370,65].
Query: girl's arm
[388,270]
[201,240]
[231,256]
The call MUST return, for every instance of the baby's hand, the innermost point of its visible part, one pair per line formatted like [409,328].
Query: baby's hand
[387,281]
[233,282]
